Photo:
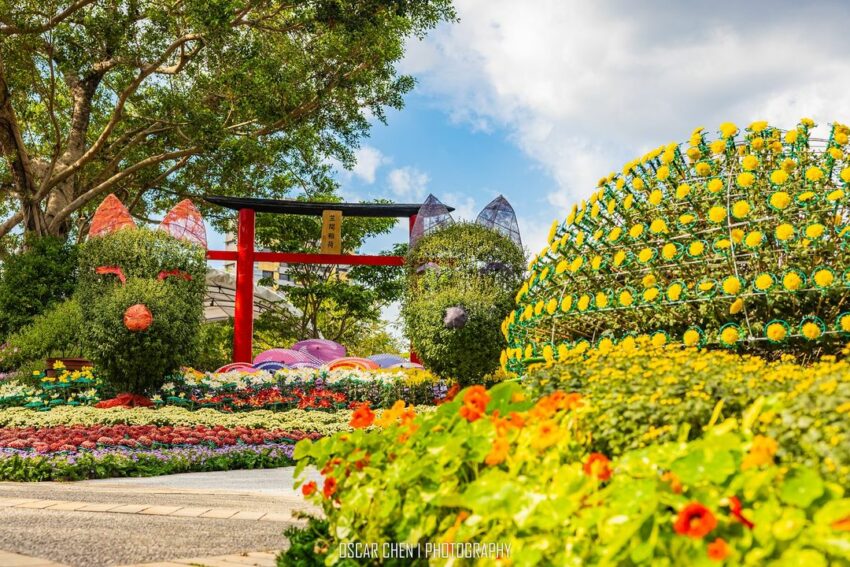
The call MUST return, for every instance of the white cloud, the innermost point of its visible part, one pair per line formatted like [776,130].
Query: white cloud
[408,183]
[582,87]
[369,159]
[464,206]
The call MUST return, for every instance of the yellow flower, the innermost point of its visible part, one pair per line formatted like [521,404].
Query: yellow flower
[628,201]
[736,306]
[776,332]
[626,299]
[764,281]
[663,173]
[538,308]
[737,235]
[784,231]
[645,255]
[650,294]
[845,175]
[814,174]
[667,156]
[619,257]
[836,153]
[648,280]
[778,177]
[659,340]
[715,186]
[824,278]
[791,136]
[694,152]
[696,248]
[792,281]
[717,147]
[754,238]
[636,231]
[746,179]
[638,183]
[840,138]
[844,323]
[750,162]
[757,143]
[561,267]
[740,209]
[567,303]
[658,226]
[601,300]
[727,130]
[761,452]
[655,197]
[674,292]
[576,264]
[732,285]
[717,214]
[691,338]
[758,126]
[806,196]
[551,306]
[669,251]
[788,165]
[836,195]
[723,243]
[780,200]
[687,218]
[702,169]
[815,230]
[729,335]
[596,262]
[683,191]
[811,330]
[583,302]
[706,285]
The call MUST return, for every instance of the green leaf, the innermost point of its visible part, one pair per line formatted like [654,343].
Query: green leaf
[801,487]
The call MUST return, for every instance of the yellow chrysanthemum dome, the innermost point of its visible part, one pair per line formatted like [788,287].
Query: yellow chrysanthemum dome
[704,243]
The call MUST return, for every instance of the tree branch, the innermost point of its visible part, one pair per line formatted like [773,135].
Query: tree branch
[52,22]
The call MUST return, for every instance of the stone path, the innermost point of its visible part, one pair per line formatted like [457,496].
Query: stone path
[216,519]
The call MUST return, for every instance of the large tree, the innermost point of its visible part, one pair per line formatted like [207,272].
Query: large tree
[158,99]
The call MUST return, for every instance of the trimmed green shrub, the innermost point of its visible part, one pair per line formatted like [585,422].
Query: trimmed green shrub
[34,280]
[162,273]
[462,266]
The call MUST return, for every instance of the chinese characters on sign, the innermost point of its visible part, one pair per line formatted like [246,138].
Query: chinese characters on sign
[332,232]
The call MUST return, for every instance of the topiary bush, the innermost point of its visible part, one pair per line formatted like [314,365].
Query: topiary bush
[741,242]
[33,280]
[161,273]
[461,283]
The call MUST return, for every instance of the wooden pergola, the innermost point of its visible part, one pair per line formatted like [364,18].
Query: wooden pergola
[245,255]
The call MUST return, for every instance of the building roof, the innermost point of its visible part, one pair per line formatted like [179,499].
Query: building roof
[315,208]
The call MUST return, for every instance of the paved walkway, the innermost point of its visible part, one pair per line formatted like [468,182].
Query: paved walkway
[219,518]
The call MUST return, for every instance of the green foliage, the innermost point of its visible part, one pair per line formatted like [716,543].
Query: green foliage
[737,242]
[476,269]
[33,280]
[215,345]
[236,97]
[139,361]
[55,333]
[308,545]
[523,478]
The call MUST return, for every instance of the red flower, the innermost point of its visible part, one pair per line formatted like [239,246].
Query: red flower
[695,520]
[718,550]
[330,487]
[735,509]
[598,466]
[362,417]
[474,403]
[309,488]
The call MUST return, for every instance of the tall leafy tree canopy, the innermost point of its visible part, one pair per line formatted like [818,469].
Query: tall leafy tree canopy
[155,100]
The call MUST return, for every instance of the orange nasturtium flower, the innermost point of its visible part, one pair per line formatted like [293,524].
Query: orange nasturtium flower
[362,417]
[761,452]
[546,435]
[718,550]
[499,452]
[330,487]
[309,488]
[598,466]
[695,520]
[474,403]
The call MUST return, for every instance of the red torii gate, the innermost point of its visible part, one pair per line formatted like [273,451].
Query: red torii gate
[245,255]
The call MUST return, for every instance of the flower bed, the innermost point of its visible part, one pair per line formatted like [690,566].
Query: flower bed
[17,465]
[510,469]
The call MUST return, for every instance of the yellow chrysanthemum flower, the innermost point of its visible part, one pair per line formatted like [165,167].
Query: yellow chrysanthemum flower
[576,264]
[650,294]
[696,248]
[674,292]
[845,175]
[811,330]
[638,183]
[619,258]
[636,231]
[601,300]
[538,308]
[784,232]
[668,252]
[596,263]
[778,177]
[668,156]
[814,174]
[732,285]
[758,126]
[717,147]
[659,340]
[687,218]
[683,191]
[658,226]
[663,173]
[746,179]
[655,197]
[645,255]
[763,282]
[730,335]
[691,338]
[780,200]
[628,201]
[715,186]
[551,306]
[626,298]
[567,303]
[776,332]
[737,235]
[824,278]
[561,267]
[736,306]
[836,195]
[702,168]
[791,136]
[754,238]
[583,302]
[615,234]
[648,280]
[706,285]
[815,230]
[740,209]
[840,138]
[717,214]
[750,162]
[723,243]
[757,143]
[792,281]
[836,153]
[788,165]
[727,130]
[844,323]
